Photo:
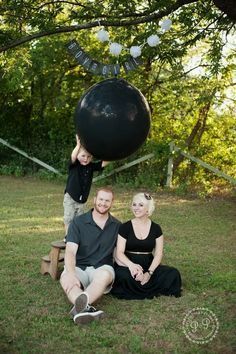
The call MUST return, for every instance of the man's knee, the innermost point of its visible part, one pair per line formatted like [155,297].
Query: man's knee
[104,276]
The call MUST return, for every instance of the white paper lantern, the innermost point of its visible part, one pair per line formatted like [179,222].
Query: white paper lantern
[153,40]
[135,51]
[115,48]
[166,24]
[103,35]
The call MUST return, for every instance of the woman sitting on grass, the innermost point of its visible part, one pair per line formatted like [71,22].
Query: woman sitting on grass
[138,269]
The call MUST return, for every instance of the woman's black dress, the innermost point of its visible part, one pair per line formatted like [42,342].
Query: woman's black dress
[164,281]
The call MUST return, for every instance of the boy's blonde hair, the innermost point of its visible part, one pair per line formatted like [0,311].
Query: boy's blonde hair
[82,148]
[145,198]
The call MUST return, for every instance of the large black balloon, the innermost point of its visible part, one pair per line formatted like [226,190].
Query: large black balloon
[112,119]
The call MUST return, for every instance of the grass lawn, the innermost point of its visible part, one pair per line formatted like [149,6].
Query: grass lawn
[199,241]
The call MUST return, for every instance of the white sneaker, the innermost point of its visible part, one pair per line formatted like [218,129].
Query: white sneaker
[88,315]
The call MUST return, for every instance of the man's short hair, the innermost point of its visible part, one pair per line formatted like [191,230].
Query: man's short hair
[105,189]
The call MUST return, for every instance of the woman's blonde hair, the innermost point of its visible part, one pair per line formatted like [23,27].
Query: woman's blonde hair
[146,199]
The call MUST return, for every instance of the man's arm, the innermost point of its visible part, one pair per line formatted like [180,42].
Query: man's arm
[70,256]
[70,263]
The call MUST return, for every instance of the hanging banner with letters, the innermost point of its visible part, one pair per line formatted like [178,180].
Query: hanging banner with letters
[98,68]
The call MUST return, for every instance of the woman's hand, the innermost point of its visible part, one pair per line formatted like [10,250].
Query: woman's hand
[139,277]
[146,278]
[135,269]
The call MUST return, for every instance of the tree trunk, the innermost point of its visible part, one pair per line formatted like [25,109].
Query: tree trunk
[196,132]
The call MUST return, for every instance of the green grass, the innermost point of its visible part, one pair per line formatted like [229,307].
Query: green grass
[199,241]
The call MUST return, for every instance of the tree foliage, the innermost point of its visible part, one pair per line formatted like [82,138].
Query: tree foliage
[25,20]
[188,79]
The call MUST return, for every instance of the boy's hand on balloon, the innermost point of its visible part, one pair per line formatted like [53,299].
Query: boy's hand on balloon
[77,140]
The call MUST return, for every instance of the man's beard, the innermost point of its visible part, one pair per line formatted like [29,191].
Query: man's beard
[101,212]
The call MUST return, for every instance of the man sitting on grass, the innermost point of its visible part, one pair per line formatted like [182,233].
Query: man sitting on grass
[88,272]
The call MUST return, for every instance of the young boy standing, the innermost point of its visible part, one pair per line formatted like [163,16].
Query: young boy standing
[79,181]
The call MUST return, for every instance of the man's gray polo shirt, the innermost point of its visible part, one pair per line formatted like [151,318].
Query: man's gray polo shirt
[95,245]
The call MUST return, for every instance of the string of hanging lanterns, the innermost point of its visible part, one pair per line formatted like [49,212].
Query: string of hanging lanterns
[136,50]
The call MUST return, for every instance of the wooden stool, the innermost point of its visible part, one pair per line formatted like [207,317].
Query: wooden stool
[50,263]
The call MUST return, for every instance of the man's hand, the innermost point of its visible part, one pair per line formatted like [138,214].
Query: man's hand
[70,280]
